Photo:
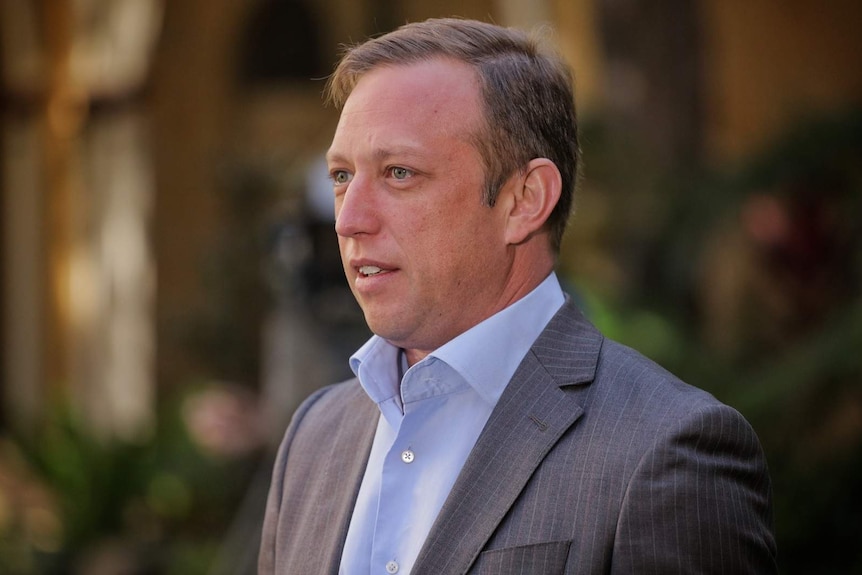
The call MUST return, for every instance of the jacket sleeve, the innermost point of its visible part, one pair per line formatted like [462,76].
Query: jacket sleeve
[699,501]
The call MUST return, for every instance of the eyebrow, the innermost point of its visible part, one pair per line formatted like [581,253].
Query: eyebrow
[333,157]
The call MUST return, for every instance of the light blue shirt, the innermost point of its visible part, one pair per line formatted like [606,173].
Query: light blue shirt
[429,425]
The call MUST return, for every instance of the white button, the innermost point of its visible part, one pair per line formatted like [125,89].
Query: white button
[392,567]
[407,456]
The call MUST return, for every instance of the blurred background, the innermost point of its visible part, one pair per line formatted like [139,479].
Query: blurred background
[171,288]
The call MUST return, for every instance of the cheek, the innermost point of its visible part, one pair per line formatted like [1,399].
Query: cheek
[342,250]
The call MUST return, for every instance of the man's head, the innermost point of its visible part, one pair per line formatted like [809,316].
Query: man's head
[426,131]
[526,94]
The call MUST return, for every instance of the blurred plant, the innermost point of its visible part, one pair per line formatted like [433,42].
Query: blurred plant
[72,502]
[224,421]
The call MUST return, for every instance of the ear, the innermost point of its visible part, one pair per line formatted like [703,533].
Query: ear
[534,196]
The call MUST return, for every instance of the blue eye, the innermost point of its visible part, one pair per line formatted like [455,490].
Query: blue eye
[341,177]
[400,173]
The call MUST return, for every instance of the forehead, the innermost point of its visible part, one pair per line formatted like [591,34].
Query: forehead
[437,98]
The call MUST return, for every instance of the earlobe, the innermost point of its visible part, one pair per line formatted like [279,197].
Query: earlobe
[534,196]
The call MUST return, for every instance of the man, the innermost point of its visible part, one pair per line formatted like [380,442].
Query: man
[491,428]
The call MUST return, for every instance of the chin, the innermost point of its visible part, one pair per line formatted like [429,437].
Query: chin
[387,330]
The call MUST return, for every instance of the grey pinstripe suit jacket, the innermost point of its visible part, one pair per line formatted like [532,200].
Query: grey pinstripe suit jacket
[595,460]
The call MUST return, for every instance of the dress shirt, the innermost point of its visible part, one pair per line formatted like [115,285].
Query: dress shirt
[429,425]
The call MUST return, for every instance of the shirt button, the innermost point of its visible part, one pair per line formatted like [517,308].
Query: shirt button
[407,456]
[392,567]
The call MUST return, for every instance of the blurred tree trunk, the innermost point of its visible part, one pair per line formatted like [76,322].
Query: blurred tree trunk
[653,50]
[77,320]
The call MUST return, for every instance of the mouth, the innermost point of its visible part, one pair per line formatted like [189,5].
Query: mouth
[368,271]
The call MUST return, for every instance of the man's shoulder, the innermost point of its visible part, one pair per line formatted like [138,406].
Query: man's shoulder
[338,406]
[618,375]
[347,394]
[618,368]
[628,367]
[653,401]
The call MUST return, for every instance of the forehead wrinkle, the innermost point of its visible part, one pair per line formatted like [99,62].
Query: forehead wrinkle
[408,151]
[378,154]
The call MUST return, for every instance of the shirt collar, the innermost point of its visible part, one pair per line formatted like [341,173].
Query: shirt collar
[376,366]
[486,355]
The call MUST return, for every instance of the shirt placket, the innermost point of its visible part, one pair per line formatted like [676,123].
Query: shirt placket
[403,464]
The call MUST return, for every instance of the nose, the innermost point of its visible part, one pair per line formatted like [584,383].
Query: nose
[355,209]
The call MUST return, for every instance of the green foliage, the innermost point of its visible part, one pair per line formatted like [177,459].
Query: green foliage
[156,505]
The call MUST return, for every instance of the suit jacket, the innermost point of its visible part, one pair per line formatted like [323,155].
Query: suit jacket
[595,460]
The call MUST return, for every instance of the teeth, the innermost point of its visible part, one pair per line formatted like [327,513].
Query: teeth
[369,270]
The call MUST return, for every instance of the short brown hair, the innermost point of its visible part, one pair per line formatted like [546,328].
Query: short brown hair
[527,94]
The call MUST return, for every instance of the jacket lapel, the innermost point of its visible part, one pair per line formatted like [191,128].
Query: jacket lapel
[531,416]
[358,426]
[326,466]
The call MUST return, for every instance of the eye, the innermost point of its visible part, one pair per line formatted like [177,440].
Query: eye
[400,173]
[340,177]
